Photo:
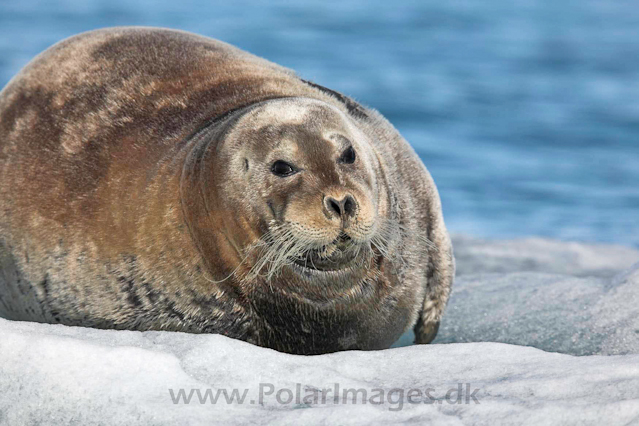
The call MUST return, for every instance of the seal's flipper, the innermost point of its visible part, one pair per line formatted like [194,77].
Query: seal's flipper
[440,274]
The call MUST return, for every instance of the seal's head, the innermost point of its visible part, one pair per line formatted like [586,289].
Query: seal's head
[303,197]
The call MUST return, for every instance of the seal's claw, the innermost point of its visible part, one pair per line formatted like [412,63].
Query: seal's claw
[425,332]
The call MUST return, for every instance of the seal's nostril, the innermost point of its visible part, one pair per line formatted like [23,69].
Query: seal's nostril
[342,209]
[349,205]
[333,206]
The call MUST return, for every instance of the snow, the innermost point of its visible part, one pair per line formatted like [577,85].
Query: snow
[62,375]
[54,374]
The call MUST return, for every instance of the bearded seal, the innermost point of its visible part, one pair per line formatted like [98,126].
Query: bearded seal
[153,179]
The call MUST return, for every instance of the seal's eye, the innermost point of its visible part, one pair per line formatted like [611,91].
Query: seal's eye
[348,156]
[282,169]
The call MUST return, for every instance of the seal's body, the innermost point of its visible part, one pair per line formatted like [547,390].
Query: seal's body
[153,179]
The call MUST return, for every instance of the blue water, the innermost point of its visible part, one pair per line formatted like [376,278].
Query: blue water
[525,112]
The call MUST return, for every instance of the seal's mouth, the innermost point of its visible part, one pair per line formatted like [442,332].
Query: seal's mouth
[340,254]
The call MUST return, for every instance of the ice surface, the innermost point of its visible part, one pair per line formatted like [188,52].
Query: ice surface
[52,374]
[587,311]
[476,255]
[580,316]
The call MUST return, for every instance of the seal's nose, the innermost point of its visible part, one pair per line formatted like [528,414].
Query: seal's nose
[343,209]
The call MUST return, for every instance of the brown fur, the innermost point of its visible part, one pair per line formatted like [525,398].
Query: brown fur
[124,202]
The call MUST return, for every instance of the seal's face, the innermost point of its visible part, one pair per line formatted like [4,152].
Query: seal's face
[310,177]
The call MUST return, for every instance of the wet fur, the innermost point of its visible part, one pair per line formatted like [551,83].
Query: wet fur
[106,140]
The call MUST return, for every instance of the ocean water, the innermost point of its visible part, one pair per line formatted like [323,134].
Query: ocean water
[525,112]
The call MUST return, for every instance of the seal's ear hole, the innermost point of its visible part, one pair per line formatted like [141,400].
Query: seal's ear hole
[246,164]
[282,169]
[348,156]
